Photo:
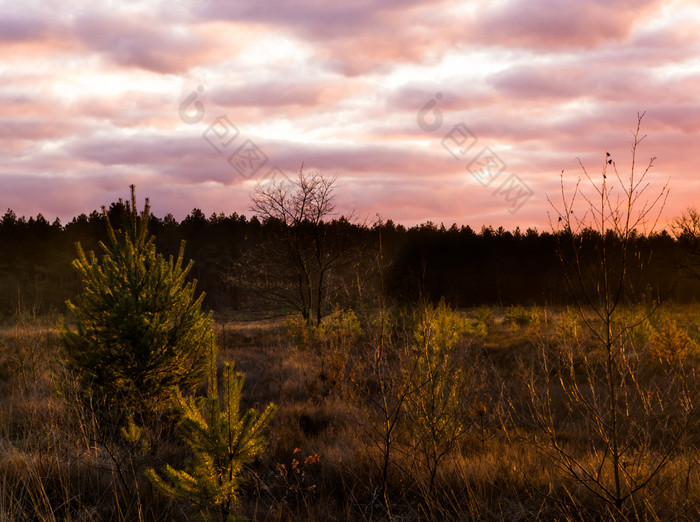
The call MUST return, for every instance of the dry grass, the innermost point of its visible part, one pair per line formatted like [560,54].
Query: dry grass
[322,462]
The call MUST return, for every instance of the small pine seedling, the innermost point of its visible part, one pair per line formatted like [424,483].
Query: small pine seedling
[222,442]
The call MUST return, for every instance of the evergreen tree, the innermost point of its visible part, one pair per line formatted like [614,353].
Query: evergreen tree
[140,328]
[222,442]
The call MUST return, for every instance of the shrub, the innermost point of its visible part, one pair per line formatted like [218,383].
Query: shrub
[517,316]
[336,329]
[435,408]
[332,341]
[672,342]
[484,321]
[441,327]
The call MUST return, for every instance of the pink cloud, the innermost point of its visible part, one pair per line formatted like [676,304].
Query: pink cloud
[269,94]
[23,27]
[133,41]
[350,39]
[550,25]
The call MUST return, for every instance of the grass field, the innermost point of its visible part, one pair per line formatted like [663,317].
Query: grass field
[503,418]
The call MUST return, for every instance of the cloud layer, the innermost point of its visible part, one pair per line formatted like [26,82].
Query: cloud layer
[409,103]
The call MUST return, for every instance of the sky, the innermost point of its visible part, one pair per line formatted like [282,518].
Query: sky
[467,112]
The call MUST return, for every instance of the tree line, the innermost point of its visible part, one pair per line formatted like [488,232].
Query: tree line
[231,253]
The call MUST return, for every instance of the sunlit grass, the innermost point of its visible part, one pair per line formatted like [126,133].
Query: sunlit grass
[321,463]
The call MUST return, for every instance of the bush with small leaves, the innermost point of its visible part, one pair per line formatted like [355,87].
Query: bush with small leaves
[435,409]
[516,316]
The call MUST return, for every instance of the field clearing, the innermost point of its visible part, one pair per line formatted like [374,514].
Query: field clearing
[324,459]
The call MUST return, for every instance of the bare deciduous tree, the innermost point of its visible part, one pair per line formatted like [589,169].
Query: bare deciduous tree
[634,412]
[294,268]
[308,199]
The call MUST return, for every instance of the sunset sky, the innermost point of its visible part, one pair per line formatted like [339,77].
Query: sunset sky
[95,97]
